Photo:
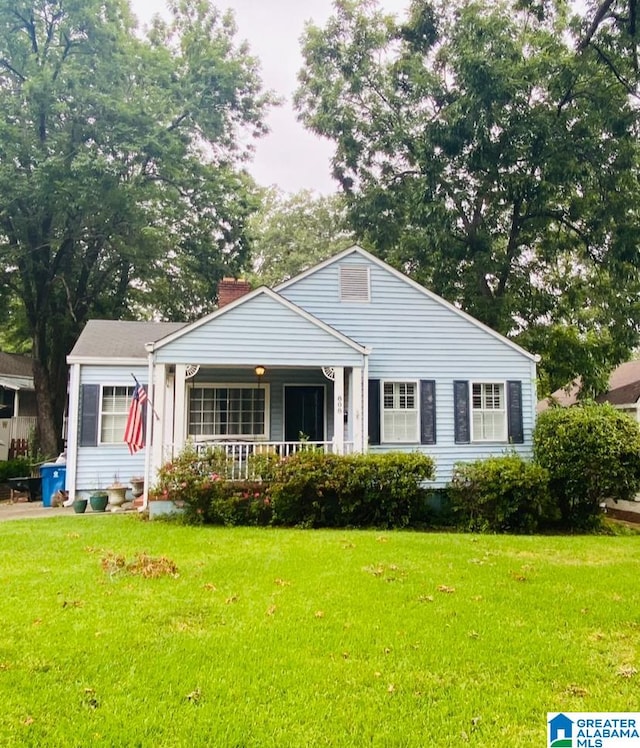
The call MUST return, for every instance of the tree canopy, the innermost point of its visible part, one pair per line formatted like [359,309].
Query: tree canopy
[484,156]
[290,233]
[122,187]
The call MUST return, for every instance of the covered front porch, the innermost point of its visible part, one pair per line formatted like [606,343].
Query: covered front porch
[260,371]
[261,409]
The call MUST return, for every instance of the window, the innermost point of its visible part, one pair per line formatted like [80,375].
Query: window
[489,412]
[400,412]
[227,411]
[113,413]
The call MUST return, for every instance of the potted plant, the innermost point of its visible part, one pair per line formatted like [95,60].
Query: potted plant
[98,500]
[116,492]
[79,506]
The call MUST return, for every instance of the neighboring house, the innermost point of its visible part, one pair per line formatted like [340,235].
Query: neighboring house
[17,404]
[623,391]
[350,356]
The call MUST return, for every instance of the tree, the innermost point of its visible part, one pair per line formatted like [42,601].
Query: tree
[121,182]
[484,157]
[293,232]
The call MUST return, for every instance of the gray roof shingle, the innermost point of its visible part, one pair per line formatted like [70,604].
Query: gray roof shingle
[104,338]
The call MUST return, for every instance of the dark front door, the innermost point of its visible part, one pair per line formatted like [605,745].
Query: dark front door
[304,413]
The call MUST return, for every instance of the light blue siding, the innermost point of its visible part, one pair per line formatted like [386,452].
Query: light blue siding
[413,336]
[97,466]
[261,331]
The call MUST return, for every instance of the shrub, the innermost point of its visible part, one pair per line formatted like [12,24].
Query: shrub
[592,453]
[309,488]
[501,494]
[323,490]
[17,468]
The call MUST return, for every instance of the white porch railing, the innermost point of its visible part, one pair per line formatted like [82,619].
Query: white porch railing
[239,454]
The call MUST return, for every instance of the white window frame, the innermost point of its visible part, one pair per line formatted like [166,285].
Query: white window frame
[234,386]
[475,438]
[102,413]
[391,438]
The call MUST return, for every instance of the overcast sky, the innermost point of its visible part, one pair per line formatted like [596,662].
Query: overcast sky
[289,157]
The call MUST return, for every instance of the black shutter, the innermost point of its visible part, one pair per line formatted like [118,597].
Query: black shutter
[462,430]
[514,412]
[427,411]
[374,411]
[89,403]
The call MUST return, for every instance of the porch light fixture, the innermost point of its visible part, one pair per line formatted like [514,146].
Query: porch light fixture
[260,370]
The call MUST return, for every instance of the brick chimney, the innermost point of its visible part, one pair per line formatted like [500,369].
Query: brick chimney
[230,289]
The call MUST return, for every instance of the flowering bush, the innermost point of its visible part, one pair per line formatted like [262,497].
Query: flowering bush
[198,483]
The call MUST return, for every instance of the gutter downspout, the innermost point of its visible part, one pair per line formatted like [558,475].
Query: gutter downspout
[149,426]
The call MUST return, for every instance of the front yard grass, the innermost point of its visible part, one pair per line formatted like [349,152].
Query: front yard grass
[307,638]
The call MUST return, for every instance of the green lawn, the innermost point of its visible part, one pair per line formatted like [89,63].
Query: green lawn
[308,638]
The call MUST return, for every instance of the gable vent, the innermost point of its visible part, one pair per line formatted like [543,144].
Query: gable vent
[354,283]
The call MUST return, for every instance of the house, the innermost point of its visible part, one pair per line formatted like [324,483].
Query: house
[349,356]
[623,391]
[17,404]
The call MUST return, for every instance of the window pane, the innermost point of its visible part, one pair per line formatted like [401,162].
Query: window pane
[489,416]
[400,413]
[226,411]
[115,410]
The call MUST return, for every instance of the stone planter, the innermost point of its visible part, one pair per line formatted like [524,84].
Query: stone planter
[163,508]
[117,493]
[137,487]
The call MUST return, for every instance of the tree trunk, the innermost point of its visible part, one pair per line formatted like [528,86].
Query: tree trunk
[48,436]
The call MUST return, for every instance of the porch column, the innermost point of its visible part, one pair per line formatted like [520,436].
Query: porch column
[72,433]
[355,414]
[338,410]
[179,420]
[157,442]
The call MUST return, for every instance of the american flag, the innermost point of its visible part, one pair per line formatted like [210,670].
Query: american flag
[134,430]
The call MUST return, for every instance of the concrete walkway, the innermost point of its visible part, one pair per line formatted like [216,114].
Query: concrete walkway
[34,510]
[30,510]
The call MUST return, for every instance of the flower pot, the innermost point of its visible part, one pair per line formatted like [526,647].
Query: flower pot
[99,501]
[137,487]
[80,506]
[116,494]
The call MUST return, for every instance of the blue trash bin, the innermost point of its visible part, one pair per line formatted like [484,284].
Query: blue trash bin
[54,478]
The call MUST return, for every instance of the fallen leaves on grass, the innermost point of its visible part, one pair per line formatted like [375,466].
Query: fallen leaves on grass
[195,697]
[271,610]
[89,698]
[143,565]
[574,690]
[446,589]
[627,671]
[281,582]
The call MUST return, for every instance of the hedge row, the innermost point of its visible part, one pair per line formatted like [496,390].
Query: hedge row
[582,456]
[309,489]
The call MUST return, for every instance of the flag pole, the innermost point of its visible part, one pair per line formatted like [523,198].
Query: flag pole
[149,400]
[149,428]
